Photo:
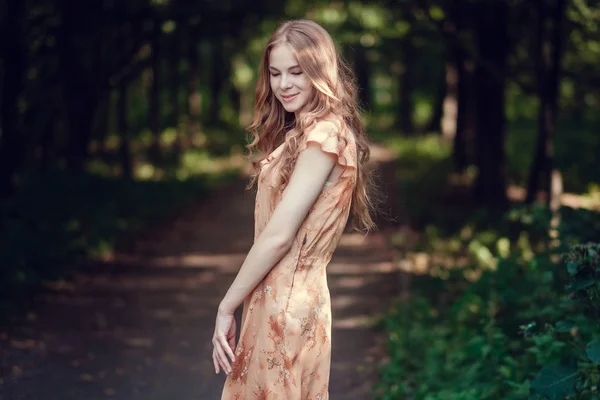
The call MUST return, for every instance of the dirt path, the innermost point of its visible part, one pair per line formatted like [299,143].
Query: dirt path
[139,326]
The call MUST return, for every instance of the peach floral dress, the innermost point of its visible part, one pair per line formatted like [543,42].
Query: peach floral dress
[284,349]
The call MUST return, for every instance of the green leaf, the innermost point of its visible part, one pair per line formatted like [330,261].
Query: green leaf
[564,326]
[555,382]
[569,303]
[584,283]
[593,350]
[592,252]
[572,268]
[527,330]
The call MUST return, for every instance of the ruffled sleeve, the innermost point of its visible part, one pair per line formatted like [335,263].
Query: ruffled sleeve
[327,134]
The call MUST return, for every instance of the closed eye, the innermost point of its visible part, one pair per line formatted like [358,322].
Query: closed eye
[293,73]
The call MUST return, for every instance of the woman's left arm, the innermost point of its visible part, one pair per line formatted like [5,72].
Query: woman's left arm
[310,173]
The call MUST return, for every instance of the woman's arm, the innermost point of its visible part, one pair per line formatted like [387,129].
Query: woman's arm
[313,166]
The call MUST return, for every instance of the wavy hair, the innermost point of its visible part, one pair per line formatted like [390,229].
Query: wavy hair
[335,94]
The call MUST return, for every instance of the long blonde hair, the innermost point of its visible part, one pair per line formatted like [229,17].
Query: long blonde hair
[335,94]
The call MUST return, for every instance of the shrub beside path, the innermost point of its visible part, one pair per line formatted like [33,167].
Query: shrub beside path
[138,325]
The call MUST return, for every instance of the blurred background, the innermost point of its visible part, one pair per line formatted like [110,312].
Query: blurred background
[116,116]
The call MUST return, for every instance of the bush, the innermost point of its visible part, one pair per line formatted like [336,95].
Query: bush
[514,333]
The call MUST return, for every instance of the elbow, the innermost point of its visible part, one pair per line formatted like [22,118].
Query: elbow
[279,243]
[283,244]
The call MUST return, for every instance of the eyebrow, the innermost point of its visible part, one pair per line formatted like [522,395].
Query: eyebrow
[292,67]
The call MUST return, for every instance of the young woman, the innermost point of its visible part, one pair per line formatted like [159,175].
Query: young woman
[307,122]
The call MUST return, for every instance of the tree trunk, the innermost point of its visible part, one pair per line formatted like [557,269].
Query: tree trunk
[235,98]
[443,118]
[80,89]
[123,129]
[363,77]
[490,186]
[466,113]
[14,63]
[154,120]
[448,118]
[194,97]
[459,118]
[579,106]
[101,128]
[80,114]
[548,71]
[219,75]
[45,156]
[405,103]
[174,87]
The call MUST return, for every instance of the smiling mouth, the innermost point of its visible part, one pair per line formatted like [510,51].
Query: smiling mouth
[289,97]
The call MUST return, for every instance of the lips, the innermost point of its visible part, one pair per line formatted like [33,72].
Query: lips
[289,98]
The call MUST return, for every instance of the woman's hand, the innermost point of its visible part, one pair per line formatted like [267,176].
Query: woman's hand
[224,341]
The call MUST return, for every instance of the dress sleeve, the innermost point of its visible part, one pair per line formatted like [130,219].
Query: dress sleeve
[327,134]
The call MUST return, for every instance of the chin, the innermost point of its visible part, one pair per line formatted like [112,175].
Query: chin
[292,108]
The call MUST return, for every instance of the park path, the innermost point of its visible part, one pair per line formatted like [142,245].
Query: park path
[138,325]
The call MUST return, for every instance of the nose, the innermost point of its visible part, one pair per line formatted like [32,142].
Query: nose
[284,83]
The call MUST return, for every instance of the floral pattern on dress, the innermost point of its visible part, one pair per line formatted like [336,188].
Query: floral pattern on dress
[284,351]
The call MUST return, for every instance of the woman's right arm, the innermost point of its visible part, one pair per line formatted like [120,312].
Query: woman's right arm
[308,178]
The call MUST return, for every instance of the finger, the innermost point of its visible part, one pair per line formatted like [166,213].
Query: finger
[232,344]
[215,362]
[227,348]
[222,358]
[215,344]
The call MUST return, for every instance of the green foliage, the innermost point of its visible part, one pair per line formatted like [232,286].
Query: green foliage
[492,319]
[460,340]
[469,348]
[576,376]
[58,220]
[555,382]
[579,225]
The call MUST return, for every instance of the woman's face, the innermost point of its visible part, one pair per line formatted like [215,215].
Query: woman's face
[289,83]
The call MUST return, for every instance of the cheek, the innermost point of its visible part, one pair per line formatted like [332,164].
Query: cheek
[309,89]
[304,83]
